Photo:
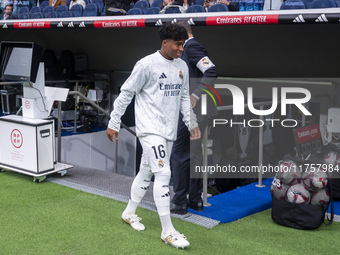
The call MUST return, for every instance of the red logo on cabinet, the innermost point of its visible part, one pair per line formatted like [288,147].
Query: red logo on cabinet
[27,104]
[17,138]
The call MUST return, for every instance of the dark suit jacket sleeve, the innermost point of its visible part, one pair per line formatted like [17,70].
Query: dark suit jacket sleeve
[196,54]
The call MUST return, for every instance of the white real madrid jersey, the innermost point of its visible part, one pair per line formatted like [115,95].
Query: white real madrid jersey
[161,87]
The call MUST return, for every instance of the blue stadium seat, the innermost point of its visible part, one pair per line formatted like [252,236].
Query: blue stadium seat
[48,9]
[61,8]
[50,15]
[68,2]
[317,4]
[142,4]
[24,9]
[292,4]
[91,10]
[337,3]
[174,9]
[35,9]
[134,11]
[37,15]
[23,16]
[307,3]
[66,14]
[44,4]
[199,2]
[100,5]
[77,10]
[218,8]
[195,8]
[14,16]
[152,10]
[157,3]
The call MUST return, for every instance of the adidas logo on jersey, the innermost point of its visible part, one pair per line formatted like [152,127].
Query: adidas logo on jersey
[163,76]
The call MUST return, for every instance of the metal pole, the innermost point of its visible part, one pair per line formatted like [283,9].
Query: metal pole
[260,185]
[59,131]
[205,164]
[303,120]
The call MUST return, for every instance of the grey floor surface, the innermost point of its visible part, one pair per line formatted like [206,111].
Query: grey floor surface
[117,187]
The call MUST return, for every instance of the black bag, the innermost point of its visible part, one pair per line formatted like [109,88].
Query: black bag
[302,216]
[299,216]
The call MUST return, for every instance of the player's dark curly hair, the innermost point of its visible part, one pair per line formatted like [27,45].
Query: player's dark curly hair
[173,31]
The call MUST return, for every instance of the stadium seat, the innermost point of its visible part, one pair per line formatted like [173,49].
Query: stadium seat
[50,15]
[91,10]
[218,8]
[134,11]
[68,2]
[23,16]
[44,4]
[337,3]
[24,9]
[152,10]
[157,3]
[48,9]
[199,2]
[77,10]
[100,5]
[174,9]
[292,4]
[195,8]
[35,9]
[307,3]
[14,16]
[66,14]
[142,4]
[318,4]
[37,15]
[61,9]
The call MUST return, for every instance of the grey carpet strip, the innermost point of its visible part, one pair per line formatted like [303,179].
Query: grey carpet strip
[117,187]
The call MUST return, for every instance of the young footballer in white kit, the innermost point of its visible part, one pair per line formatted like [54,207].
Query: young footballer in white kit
[160,84]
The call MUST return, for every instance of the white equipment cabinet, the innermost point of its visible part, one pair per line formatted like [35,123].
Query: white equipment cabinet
[26,146]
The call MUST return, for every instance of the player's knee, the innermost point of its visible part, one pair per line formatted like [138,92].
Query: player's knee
[165,174]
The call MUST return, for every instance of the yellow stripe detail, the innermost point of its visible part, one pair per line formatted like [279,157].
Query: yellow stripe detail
[206,91]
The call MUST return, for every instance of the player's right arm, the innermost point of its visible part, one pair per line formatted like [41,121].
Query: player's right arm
[112,134]
[131,87]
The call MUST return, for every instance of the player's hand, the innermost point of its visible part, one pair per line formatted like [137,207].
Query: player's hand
[195,134]
[112,134]
[193,101]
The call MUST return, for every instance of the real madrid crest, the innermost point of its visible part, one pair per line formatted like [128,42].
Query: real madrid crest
[160,163]
[205,62]
[180,74]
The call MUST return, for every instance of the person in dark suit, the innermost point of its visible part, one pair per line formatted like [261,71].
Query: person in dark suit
[201,71]
[7,12]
